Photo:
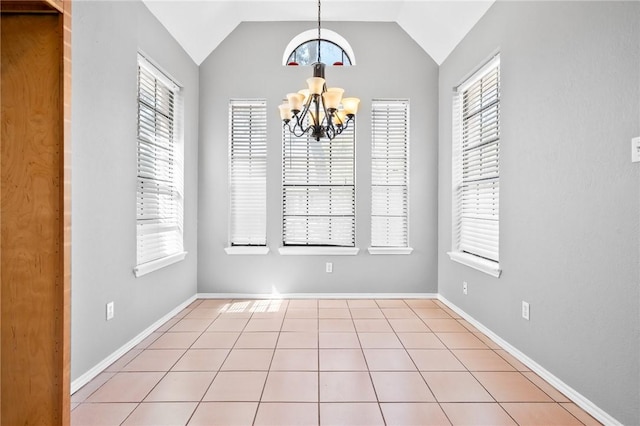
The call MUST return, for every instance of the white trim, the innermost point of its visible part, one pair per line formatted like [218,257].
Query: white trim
[154,265]
[390,250]
[325,34]
[98,368]
[279,296]
[481,264]
[158,72]
[318,251]
[554,381]
[246,250]
[479,73]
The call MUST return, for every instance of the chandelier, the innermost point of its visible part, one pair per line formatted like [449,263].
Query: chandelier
[318,111]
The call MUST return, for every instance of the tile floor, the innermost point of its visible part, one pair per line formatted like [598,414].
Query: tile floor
[320,362]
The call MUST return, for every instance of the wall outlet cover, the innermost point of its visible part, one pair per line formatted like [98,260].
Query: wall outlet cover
[110,311]
[525,310]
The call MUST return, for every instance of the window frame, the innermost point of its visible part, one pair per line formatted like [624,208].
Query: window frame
[390,130]
[486,261]
[146,263]
[312,34]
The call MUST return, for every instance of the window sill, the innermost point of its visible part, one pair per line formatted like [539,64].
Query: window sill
[246,250]
[318,251]
[483,265]
[390,250]
[154,265]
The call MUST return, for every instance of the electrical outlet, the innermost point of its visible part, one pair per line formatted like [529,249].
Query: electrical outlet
[110,311]
[464,287]
[525,310]
[329,267]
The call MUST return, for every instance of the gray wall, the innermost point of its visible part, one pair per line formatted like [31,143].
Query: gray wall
[248,65]
[569,200]
[106,38]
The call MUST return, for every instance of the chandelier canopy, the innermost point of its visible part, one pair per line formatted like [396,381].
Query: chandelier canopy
[318,111]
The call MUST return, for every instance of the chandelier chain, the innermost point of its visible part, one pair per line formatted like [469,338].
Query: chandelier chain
[319,31]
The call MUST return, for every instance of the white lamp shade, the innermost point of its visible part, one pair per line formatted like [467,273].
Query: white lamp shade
[332,97]
[295,101]
[350,105]
[305,93]
[285,112]
[339,117]
[316,84]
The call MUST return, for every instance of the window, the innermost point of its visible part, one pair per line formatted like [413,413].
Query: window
[247,175]
[160,171]
[476,169]
[390,176]
[303,49]
[319,190]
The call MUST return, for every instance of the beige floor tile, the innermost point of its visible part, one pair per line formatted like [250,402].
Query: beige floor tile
[530,414]
[461,340]
[580,414]
[201,360]
[236,386]
[413,340]
[487,341]
[413,414]
[420,303]
[101,414]
[74,405]
[214,303]
[432,313]
[167,325]
[342,360]
[400,325]
[181,386]
[144,344]
[468,326]
[241,308]
[482,360]
[398,313]
[372,325]
[301,313]
[224,414]
[350,414]
[228,324]
[85,392]
[511,387]
[235,314]
[379,340]
[346,386]
[388,360]
[291,386]
[367,313]
[391,303]
[122,361]
[204,313]
[126,387]
[445,325]
[448,386]
[257,340]
[343,313]
[216,340]
[273,307]
[362,303]
[193,324]
[338,340]
[295,360]
[161,414]
[248,360]
[435,360]
[272,324]
[512,360]
[401,386]
[303,303]
[546,387]
[298,340]
[175,340]
[269,315]
[287,414]
[332,303]
[154,360]
[335,325]
[300,324]
[478,414]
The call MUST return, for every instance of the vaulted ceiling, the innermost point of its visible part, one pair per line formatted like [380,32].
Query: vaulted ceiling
[200,26]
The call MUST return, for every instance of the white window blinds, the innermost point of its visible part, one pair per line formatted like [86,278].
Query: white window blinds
[248,172]
[319,190]
[390,173]
[477,115]
[160,169]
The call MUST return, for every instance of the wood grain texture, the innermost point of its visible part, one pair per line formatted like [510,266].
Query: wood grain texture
[34,354]
[32,6]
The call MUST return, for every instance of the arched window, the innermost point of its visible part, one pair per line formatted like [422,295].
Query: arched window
[303,49]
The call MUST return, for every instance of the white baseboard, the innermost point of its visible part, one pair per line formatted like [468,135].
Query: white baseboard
[98,368]
[317,296]
[567,390]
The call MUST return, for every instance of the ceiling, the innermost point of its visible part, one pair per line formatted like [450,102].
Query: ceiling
[200,26]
